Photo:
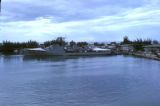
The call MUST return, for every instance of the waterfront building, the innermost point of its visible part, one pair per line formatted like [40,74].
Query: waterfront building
[96,49]
[152,50]
[127,48]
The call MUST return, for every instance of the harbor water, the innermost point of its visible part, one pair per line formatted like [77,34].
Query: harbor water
[79,81]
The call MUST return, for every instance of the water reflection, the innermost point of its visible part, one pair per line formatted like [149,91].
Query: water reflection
[47,58]
[57,58]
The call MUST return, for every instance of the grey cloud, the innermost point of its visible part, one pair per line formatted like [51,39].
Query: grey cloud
[66,10]
[79,19]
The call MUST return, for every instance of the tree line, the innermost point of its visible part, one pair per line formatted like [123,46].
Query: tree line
[139,44]
[8,46]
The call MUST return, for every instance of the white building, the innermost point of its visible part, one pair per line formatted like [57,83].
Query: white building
[96,49]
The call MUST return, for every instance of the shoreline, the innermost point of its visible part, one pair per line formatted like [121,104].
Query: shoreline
[90,54]
[147,57]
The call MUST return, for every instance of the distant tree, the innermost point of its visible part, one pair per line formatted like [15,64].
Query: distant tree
[82,44]
[8,46]
[47,43]
[98,44]
[32,44]
[155,42]
[126,40]
[147,42]
[113,43]
[72,43]
[59,41]
[139,44]
[138,47]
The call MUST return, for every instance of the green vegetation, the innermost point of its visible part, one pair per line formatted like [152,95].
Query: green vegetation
[60,41]
[79,44]
[72,43]
[126,40]
[98,44]
[82,44]
[9,47]
[138,44]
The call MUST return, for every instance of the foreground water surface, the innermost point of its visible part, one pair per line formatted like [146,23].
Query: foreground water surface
[79,81]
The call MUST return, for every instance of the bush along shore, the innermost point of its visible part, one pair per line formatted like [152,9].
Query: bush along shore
[143,48]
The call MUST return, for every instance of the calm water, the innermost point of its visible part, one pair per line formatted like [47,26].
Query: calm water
[90,81]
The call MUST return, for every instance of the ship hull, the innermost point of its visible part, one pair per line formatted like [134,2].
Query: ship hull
[42,53]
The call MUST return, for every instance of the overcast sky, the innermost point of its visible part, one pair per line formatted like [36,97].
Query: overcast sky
[89,20]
